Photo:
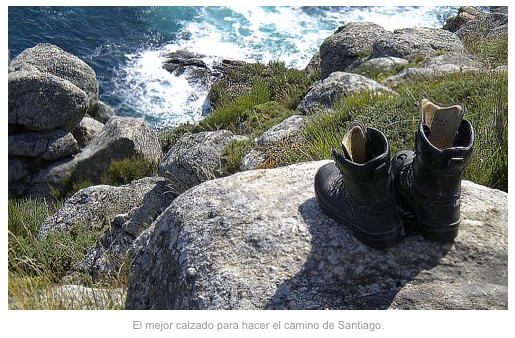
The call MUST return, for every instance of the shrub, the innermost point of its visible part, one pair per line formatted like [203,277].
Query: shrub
[124,171]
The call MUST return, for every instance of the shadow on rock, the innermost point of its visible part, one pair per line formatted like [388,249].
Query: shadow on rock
[342,273]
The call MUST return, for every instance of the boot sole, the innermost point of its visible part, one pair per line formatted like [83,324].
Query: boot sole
[366,238]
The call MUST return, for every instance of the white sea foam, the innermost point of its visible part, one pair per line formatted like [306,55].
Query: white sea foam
[151,91]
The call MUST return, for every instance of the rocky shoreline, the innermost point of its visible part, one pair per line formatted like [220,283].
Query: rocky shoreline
[195,239]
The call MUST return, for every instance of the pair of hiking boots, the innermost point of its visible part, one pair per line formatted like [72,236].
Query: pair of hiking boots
[371,193]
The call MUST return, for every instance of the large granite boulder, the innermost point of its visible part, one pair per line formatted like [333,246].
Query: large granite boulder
[259,240]
[121,137]
[50,59]
[95,207]
[42,101]
[325,93]
[349,46]
[414,42]
[195,158]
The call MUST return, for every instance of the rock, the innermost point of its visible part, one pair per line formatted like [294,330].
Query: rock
[474,273]
[280,131]
[349,46]
[489,24]
[314,64]
[50,59]
[42,101]
[105,259]
[465,14]
[17,169]
[414,42]
[61,144]
[102,113]
[259,240]
[381,64]
[252,160]
[121,137]
[95,207]
[195,158]
[190,64]
[447,63]
[52,177]
[325,93]
[86,131]
[499,9]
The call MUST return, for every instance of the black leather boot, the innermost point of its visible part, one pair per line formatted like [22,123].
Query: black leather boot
[356,190]
[428,181]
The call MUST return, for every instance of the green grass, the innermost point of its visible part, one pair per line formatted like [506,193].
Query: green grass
[230,115]
[492,49]
[124,171]
[484,94]
[285,85]
[36,265]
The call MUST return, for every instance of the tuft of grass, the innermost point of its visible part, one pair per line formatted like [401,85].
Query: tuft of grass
[55,252]
[124,171]
[231,114]
[232,154]
[36,265]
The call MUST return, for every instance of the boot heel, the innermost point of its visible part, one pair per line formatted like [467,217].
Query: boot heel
[443,234]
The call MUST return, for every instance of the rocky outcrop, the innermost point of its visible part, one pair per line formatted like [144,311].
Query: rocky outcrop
[195,158]
[42,101]
[474,272]
[110,253]
[252,160]
[349,46]
[465,14]
[325,93]
[189,64]
[313,66]
[413,42]
[438,66]
[121,137]
[260,241]
[49,59]
[49,93]
[472,22]
[95,207]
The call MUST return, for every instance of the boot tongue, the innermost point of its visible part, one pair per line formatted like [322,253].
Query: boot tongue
[354,143]
[442,121]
